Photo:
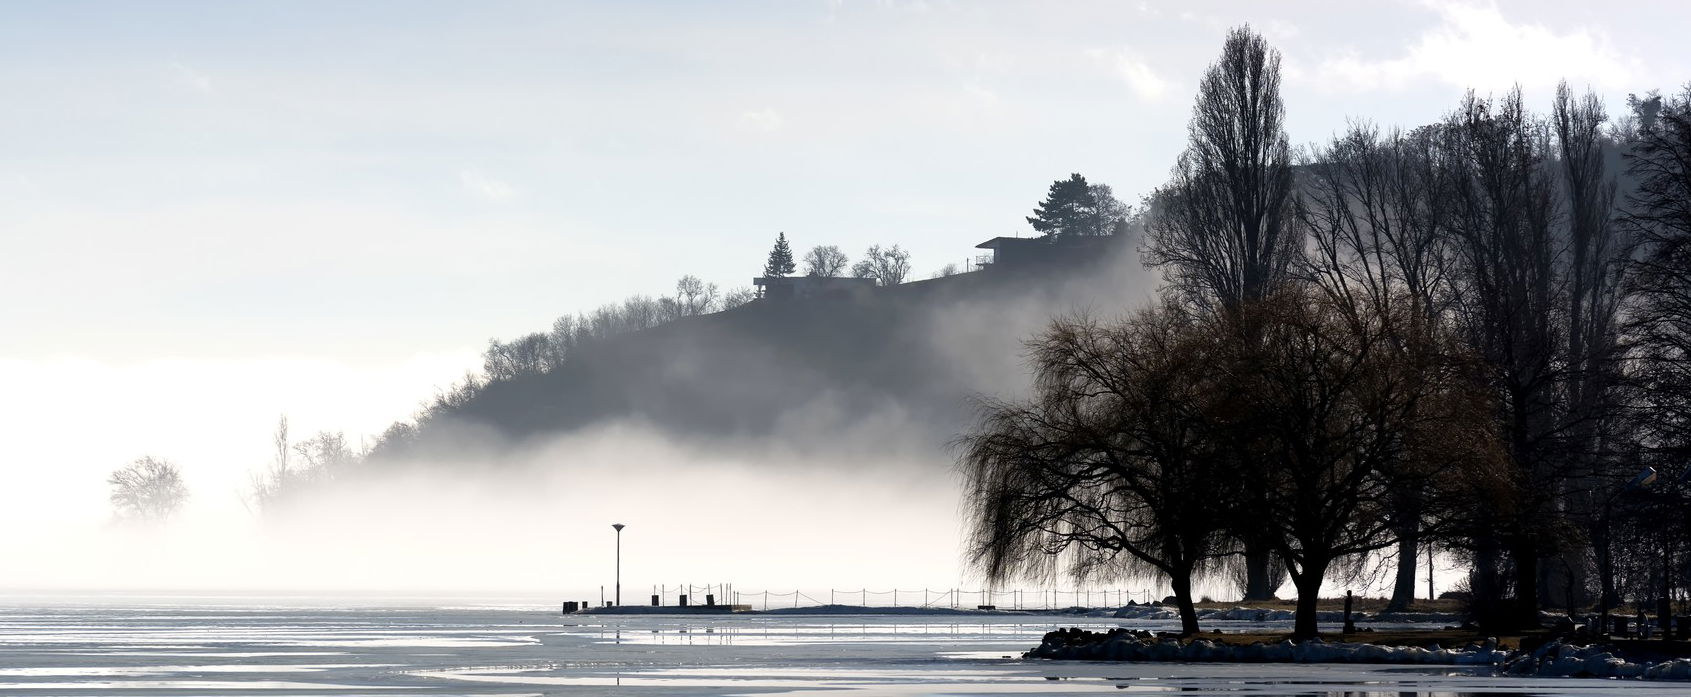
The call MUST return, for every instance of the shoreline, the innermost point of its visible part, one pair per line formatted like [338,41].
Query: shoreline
[1554,658]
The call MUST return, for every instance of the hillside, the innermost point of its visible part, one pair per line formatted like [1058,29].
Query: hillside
[912,355]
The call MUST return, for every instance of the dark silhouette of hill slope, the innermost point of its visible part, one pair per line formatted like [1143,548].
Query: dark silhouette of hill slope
[912,354]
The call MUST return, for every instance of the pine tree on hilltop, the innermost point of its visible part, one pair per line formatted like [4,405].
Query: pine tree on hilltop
[1067,208]
[780,259]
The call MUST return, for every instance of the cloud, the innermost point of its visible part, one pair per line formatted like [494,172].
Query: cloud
[485,186]
[766,120]
[1476,46]
[1137,74]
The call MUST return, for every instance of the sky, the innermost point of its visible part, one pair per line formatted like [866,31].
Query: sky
[215,213]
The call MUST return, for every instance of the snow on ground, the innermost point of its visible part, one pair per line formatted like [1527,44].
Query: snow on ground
[273,650]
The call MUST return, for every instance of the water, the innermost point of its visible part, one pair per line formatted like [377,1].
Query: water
[249,648]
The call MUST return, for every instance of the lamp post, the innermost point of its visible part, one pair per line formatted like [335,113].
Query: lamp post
[619,527]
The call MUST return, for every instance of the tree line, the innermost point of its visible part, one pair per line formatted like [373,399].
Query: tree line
[887,266]
[1474,334]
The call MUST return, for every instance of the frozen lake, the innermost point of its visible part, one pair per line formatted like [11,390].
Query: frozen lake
[250,649]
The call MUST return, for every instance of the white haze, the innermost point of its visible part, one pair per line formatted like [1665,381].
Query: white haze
[834,498]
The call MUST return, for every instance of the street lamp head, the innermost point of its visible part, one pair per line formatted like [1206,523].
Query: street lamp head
[618,526]
[1645,478]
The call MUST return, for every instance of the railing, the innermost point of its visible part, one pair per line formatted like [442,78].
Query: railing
[956,598]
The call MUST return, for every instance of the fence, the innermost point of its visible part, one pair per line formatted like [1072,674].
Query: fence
[956,598]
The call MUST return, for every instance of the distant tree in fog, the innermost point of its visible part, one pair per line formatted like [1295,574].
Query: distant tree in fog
[694,297]
[325,455]
[1073,207]
[148,490]
[296,467]
[947,270]
[269,484]
[887,266]
[780,262]
[824,260]
[640,312]
[528,355]
[737,297]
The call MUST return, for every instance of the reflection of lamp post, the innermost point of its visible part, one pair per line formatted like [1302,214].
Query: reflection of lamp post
[619,527]
[1644,478]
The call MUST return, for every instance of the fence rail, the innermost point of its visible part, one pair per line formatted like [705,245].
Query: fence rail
[956,598]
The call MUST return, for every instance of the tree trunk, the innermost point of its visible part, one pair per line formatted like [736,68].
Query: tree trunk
[1485,584]
[1606,568]
[1259,574]
[1181,583]
[1525,615]
[1308,584]
[1403,589]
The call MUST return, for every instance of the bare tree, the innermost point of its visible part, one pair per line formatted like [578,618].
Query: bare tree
[1372,210]
[532,354]
[1108,215]
[1505,302]
[639,312]
[1658,212]
[1596,264]
[1340,419]
[325,456]
[1219,227]
[737,297]
[887,266]
[1113,463]
[148,490]
[824,260]
[694,297]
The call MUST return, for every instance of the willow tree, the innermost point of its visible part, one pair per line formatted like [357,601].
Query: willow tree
[1342,417]
[1111,469]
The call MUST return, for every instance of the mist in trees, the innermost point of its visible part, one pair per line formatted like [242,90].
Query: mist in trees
[298,469]
[148,490]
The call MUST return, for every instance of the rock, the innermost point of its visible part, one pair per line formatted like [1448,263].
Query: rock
[1565,666]
[1567,651]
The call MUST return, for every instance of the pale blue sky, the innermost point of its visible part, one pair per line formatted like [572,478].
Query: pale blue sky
[212,213]
[364,181]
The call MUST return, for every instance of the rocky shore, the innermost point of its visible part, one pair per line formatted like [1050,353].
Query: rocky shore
[1553,659]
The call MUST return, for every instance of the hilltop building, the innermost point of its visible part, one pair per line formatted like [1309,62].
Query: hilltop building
[1022,252]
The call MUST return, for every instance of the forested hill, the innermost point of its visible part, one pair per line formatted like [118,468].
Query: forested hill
[914,353]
